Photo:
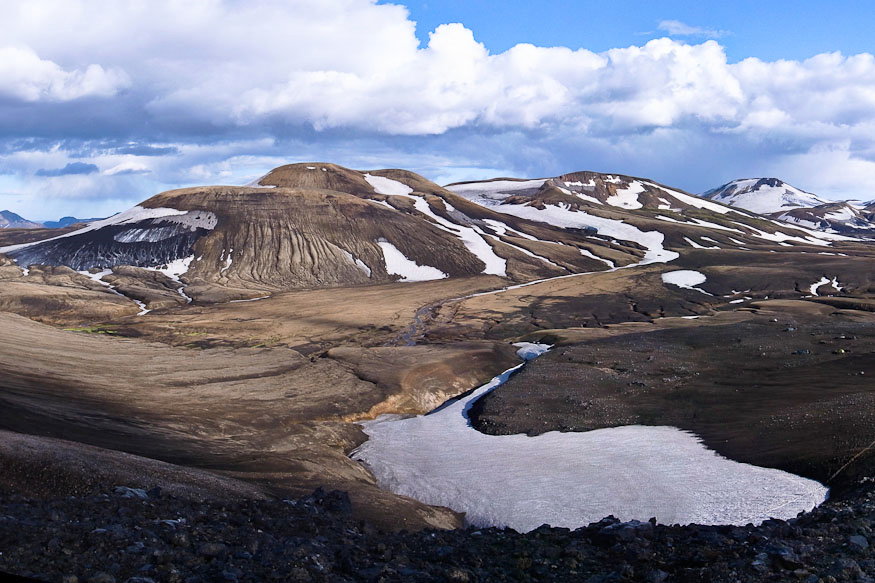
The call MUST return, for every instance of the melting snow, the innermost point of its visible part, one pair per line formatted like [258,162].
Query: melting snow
[387,185]
[398,264]
[686,279]
[98,277]
[825,281]
[696,245]
[627,197]
[560,217]
[572,479]
[472,237]
[361,265]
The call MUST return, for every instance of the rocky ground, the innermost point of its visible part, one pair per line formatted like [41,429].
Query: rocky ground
[137,536]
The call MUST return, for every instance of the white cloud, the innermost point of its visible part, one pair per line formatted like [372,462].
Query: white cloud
[25,76]
[128,167]
[678,28]
[284,80]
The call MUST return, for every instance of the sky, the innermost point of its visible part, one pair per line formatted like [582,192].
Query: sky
[104,103]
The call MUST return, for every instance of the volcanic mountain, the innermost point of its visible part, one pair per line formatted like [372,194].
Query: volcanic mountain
[321,225]
[618,205]
[10,220]
[781,201]
[306,226]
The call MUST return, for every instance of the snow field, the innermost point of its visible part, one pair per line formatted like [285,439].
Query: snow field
[572,479]
[398,264]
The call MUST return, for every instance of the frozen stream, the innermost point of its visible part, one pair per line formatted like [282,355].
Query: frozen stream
[572,479]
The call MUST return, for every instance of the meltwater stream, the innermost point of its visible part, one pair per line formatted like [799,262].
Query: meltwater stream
[572,479]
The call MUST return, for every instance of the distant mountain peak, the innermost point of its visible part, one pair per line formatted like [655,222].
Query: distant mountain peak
[11,220]
[763,195]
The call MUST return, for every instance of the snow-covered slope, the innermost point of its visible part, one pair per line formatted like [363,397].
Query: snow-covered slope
[637,211]
[763,195]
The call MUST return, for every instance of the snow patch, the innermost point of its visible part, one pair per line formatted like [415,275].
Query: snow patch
[383,185]
[531,350]
[562,217]
[98,277]
[686,279]
[627,197]
[398,264]
[361,265]
[570,479]
[472,237]
[696,245]
[825,281]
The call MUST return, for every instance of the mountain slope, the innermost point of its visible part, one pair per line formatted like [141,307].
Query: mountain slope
[625,208]
[10,220]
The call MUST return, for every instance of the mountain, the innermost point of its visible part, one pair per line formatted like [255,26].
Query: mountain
[322,225]
[837,217]
[780,201]
[763,195]
[626,208]
[67,221]
[10,220]
[317,225]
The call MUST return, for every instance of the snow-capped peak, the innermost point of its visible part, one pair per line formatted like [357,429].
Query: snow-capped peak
[763,195]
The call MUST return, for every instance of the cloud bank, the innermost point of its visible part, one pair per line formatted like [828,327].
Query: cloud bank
[164,93]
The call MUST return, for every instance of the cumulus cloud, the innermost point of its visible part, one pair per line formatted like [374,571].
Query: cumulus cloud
[71,168]
[25,76]
[168,93]
[678,28]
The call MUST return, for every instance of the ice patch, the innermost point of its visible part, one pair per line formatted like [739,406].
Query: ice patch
[398,264]
[531,350]
[570,479]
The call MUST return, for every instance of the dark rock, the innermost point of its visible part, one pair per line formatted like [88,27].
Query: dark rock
[126,492]
[212,549]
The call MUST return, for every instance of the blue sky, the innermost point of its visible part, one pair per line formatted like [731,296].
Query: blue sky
[771,30]
[104,103]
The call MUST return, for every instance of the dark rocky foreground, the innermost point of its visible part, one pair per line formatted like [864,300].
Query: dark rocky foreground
[137,536]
